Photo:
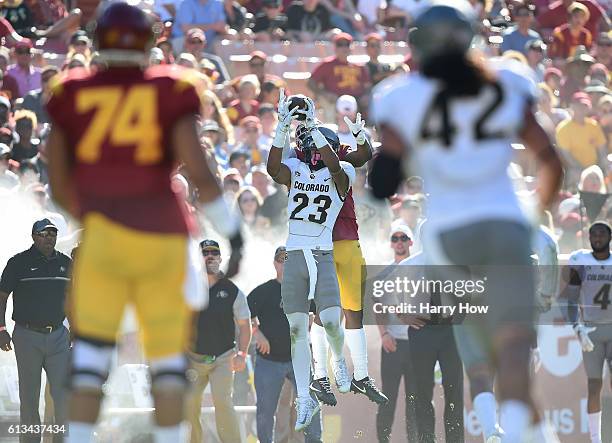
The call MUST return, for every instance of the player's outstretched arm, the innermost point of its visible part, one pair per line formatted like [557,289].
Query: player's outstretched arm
[363,154]
[550,172]
[60,172]
[279,172]
[330,159]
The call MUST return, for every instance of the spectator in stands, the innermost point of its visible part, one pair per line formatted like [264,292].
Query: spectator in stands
[567,37]
[240,161]
[535,54]
[250,132]
[270,92]
[25,125]
[517,37]
[246,103]
[207,15]
[34,100]
[548,114]
[346,106]
[19,15]
[269,119]
[248,202]
[8,179]
[307,21]
[213,110]
[605,118]
[9,87]
[187,60]
[269,24]
[26,75]
[377,70]
[580,138]
[258,66]
[344,16]
[261,181]
[556,15]
[596,90]
[76,61]
[235,17]
[553,77]
[5,114]
[195,43]
[599,72]
[214,133]
[166,48]
[576,69]
[603,49]
[336,76]
[79,44]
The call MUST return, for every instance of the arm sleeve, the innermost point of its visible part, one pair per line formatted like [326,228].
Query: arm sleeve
[241,307]
[8,282]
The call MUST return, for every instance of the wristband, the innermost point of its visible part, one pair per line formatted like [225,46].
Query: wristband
[319,139]
[225,222]
[360,137]
[280,138]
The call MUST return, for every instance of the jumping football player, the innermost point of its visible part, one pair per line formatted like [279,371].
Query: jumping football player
[588,295]
[349,262]
[117,136]
[456,119]
[318,184]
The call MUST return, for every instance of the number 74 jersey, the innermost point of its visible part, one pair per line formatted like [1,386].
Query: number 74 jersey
[314,205]
[596,281]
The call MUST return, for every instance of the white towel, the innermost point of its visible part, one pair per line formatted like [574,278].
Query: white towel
[311,265]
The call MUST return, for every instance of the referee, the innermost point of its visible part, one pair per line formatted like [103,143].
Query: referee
[37,278]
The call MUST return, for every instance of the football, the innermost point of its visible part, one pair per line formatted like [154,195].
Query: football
[298,101]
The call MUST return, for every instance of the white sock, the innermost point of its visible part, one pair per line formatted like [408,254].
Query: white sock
[330,318]
[300,352]
[80,432]
[595,427]
[170,434]
[356,342]
[515,417]
[486,411]
[318,340]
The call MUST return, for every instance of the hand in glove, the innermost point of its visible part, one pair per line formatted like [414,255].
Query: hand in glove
[285,116]
[311,120]
[357,128]
[583,331]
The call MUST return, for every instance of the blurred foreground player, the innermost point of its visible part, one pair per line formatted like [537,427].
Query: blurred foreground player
[456,119]
[588,296]
[117,136]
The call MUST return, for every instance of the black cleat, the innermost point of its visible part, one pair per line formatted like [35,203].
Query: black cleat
[367,387]
[322,391]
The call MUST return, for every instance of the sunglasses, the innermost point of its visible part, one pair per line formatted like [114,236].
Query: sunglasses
[342,44]
[195,41]
[256,65]
[213,252]
[45,234]
[402,238]
[373,45]
[22,51]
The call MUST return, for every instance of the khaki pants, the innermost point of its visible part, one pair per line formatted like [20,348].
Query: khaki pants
[221,378]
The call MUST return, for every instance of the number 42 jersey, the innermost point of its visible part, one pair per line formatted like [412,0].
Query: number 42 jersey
[314,205]
[595,282]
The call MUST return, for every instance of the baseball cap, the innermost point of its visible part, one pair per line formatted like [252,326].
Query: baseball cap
[250,121]
[373,36]
[401,227]
[194,33]
[596,87]
[79,37]
[535,44]
[209,244]
[258,54]
[41,225]
[24,43]
[281,250]
[346,104]
[343,36]
[210,125]
[582,97]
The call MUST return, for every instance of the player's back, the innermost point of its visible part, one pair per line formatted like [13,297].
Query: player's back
[118,126]
[461,145]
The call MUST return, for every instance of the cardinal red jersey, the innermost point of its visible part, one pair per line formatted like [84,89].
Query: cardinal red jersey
[118,124]
[346,227]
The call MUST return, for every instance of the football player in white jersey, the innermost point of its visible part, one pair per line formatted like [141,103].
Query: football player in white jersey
[318,184]
[456,119]
[588,295]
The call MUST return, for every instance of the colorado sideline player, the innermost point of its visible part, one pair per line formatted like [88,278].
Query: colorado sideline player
[590,278]
[457,119]
[116,138]
[318,184]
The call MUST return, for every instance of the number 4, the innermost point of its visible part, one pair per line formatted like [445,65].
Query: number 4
[124,118]
[602,298]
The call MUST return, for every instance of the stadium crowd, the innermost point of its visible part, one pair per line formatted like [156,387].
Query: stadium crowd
[568,45]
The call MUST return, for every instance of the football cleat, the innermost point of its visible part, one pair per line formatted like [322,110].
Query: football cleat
[367,387]
[341,374]
[321,389]
[306,409]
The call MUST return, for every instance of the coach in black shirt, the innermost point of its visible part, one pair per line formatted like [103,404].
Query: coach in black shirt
[37,278]
[273,364]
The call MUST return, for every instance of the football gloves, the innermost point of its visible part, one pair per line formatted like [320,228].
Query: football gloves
[583,331]
[357,128]
[285,116]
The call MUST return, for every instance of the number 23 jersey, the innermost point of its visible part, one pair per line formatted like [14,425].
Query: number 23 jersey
[118,126]
[461,146]
[314,205]
[595,282]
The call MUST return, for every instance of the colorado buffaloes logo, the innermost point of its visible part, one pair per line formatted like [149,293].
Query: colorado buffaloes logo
[222,294]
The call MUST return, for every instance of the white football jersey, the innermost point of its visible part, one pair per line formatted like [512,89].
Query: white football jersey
[314,205]
[596,278]
[461,146]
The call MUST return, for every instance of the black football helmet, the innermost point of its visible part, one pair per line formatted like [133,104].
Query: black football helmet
[307,150]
